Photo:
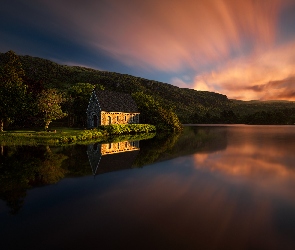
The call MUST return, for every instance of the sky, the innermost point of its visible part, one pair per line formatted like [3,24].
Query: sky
[244,49]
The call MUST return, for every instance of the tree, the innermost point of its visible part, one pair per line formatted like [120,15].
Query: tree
[30,115]
[152,112]
[77,102]
[12,89]
[49,104]
[228,116]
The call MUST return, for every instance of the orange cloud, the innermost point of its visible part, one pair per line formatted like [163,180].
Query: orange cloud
[265,75]
[171,35]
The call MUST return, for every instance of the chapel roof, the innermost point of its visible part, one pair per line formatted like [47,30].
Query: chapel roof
[111,101]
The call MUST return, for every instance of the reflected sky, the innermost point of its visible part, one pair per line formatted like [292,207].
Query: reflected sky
[263,156]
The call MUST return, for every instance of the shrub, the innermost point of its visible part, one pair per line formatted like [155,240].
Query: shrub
[120,129]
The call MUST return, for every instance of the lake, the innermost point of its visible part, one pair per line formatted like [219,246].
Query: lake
[210,187]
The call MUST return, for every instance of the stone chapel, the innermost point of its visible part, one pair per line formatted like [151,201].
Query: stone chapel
[109,107]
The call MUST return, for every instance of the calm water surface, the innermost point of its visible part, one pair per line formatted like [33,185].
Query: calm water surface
[229,187]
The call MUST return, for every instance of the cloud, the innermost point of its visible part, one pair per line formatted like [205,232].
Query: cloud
[283,89]
[265,75]
[170,35]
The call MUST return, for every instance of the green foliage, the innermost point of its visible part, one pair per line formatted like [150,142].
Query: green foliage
[129,137]
[12,89]
[277,117]
[265,112]
[68,136]
[77,101]
[153,112]
[183,101]
[119,129]
[108,131]
[226,116]
[49,102]
[12,71]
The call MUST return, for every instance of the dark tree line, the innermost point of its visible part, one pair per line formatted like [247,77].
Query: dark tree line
[26,102]
[283,116]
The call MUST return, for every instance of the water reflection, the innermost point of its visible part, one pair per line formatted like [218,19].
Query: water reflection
[112,156]
[253,152]
[208,188]
[26,167]
[259,156]
[192,140]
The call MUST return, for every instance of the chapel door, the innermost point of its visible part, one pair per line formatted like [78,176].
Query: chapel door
[95,121]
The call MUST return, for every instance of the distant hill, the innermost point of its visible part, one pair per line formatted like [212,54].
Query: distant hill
[184,101]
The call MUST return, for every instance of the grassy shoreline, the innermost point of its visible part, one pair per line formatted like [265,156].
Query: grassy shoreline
[64,135]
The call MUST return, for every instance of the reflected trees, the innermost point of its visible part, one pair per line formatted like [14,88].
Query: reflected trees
[25,167]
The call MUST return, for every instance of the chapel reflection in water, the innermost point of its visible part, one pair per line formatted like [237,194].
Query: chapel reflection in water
[112,156]
[25,167]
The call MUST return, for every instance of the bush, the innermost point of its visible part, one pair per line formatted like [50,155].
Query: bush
[109,130]
[119,129]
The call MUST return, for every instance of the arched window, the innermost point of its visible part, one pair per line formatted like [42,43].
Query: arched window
[109,120]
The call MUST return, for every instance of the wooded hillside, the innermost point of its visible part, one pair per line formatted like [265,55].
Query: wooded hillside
[185,102]
[191,106]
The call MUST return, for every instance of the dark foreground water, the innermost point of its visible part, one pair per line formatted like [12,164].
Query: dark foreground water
[230,187]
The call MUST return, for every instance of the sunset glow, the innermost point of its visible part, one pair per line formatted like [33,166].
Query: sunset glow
[244,49]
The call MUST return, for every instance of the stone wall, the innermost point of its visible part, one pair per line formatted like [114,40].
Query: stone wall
[108,118]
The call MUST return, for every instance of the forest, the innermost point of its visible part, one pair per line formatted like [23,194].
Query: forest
[36,82]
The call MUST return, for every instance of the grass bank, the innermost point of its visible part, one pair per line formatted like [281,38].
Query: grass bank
[62,135]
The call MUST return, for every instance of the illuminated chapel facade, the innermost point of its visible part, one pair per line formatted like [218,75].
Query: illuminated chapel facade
[109,107]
